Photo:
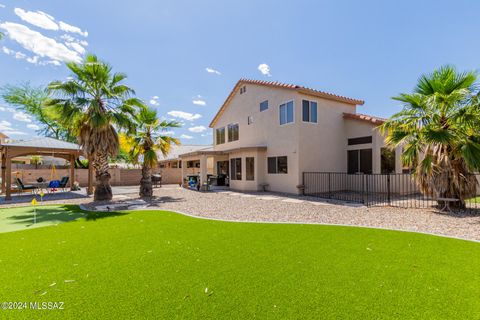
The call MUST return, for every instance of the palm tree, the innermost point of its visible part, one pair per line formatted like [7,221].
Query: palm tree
[36,161]
[438,129]
[148,139]
[32,101]
[94,103]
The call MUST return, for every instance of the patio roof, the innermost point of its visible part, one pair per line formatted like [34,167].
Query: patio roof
[210,151]
[42,143]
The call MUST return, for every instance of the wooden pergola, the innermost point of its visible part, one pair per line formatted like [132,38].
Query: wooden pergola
[42,147]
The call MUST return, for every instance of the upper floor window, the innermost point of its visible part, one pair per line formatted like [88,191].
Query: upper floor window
[263,105]
[309,111]
[250,120]
[220,135]
[233,132]
[243,89]
[286,113]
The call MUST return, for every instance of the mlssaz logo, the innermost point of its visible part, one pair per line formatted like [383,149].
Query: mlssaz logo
[47,305]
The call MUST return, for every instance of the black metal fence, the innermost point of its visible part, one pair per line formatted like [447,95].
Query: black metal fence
[397,190]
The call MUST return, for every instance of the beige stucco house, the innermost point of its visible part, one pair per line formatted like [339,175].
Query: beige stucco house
[266,134]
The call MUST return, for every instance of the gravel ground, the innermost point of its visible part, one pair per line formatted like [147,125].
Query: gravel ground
[272,207]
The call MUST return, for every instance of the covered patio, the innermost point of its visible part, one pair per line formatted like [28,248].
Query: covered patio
[203,164]
[39,147]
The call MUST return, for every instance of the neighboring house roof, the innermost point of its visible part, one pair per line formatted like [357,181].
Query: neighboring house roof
[274,84]
[364,117]
[44,143]
[3,136]
[175,151]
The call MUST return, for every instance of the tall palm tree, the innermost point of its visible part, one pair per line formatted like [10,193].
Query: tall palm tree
[94,103]
[149,138]
[439,131]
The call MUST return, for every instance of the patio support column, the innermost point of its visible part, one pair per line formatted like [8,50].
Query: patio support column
[90,177]
[72,171]
[182,171]
[8,178]
[203,168]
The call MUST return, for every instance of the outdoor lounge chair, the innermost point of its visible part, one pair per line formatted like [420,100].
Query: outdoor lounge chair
[63,183]
[25,187]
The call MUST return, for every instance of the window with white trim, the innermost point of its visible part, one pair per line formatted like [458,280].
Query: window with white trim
[286,112]
[309,111]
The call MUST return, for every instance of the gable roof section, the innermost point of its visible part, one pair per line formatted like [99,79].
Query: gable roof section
[364,117]
[275,84]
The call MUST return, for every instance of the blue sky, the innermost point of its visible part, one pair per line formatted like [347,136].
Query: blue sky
[370,50]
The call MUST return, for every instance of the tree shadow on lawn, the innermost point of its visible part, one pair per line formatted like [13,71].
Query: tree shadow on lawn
[64,213]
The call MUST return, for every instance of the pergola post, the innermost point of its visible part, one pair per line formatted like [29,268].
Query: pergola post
[72,171]
[8,178]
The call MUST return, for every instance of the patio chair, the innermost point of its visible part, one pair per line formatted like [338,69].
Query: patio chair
[63,183]
[25,187]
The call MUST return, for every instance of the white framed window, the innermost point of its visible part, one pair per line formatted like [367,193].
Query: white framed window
[309,111]
[277,165]
[220,135]
[233,132]
[286,112]
[263,105]
[250,120]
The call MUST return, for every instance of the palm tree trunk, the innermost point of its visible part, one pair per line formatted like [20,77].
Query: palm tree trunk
[146,188]
[103,190]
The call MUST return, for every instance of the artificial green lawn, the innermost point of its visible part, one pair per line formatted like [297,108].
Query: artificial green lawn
[156,265]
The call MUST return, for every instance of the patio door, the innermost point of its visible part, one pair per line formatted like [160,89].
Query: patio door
[223,169]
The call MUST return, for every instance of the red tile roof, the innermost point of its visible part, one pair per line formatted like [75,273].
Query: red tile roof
[364,117]
[275,84]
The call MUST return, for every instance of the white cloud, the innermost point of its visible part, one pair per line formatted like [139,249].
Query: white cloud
[154,101]
[38,19]
[45,21]
[39,44]
[3,109]
[168,133]
[33,126]
[264,69]
[199,102]
[186,136]
[21,116]
[69,28]
[184,115]
[17,54]
[6,128]
[75,46]
[197,129]
[211,70]
[2,5]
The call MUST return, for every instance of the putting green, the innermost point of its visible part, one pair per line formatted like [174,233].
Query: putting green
[163,265]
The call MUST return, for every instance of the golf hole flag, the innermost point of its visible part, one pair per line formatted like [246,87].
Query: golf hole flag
[34,204]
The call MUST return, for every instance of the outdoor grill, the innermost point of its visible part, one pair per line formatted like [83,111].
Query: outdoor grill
[157,180]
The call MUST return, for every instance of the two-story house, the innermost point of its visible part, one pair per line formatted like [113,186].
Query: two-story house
[269,133]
